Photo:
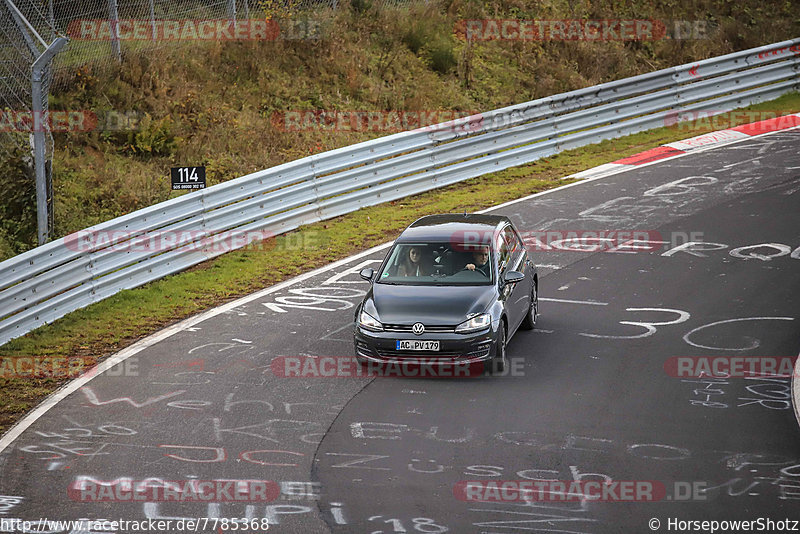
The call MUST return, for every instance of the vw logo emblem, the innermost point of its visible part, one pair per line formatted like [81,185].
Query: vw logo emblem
[418,329]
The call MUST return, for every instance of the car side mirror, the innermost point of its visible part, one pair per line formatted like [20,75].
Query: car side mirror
[367,274]
[513,277]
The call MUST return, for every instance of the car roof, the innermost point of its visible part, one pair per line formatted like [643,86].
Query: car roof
[470,227]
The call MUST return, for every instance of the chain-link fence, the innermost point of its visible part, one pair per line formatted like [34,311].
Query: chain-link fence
[29,27]
[67,16]
[26,73]
[63,17]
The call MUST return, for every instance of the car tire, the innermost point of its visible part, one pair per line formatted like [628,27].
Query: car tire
[499,363]
[529,323]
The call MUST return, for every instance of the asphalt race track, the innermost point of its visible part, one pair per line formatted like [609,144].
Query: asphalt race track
[589,396]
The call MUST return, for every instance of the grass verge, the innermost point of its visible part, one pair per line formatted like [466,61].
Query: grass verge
[108,326]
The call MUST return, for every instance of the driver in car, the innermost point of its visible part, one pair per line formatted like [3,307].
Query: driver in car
[481,258]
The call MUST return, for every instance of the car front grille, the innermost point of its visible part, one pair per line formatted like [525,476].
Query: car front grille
[428,328]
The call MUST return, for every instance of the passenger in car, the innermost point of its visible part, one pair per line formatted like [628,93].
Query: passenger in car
[414,263]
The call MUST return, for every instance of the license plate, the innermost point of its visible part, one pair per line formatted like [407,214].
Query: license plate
[417,344]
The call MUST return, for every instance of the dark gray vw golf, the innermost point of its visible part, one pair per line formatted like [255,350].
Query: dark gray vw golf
[453,289]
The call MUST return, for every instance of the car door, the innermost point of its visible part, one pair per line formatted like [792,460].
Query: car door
[513,258]
[526,265]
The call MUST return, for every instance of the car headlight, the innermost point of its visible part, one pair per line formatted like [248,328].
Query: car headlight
[479,322]
[368,322]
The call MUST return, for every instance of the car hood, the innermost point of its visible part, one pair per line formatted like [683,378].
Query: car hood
[430,305]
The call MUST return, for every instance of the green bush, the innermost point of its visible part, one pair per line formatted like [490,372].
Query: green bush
[149,137]
[18,206]
[441,56]
[7,249]
[417,35]
[359,7]
[429,34]
[155,137]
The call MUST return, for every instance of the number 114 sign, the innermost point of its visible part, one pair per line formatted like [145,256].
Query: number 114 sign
[188,177]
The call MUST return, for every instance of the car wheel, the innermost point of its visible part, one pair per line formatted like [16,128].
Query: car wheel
[499,363]
[529,323]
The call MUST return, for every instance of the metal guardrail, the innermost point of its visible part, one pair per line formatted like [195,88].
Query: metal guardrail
[52,280]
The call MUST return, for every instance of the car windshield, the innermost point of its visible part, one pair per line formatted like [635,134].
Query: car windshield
[443,264]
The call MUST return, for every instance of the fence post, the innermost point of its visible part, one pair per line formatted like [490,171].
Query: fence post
[51,16]
[41,62]
[113,19]
[232,10]
[39,142]
[153,19]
